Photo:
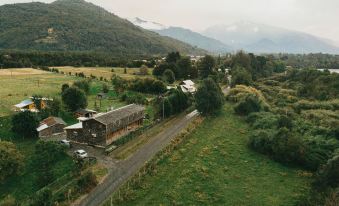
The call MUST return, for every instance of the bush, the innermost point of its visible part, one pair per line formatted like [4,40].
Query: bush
[133,98]
[8,201]
[11,160]
[250,104]
[169,76]
[147,85]
[87,182]
[42,198]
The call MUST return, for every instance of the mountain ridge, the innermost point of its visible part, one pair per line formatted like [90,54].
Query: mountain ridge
[77,25]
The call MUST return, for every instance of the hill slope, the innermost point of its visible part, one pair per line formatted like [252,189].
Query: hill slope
[261,38]
[184,35]
[75,25]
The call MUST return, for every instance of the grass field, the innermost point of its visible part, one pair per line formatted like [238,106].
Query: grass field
[24,83]
[20,84]
[214,166]
[105,72]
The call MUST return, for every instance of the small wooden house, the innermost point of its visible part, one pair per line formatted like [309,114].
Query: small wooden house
[51,126]
[87,113]
[29,104]
[103,129]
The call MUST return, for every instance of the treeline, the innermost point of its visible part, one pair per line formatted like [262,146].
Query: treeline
[16,59]
[319,61]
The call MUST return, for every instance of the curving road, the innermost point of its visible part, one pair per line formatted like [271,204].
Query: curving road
[127,168]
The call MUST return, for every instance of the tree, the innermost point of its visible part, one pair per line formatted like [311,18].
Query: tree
[25,124]
[206,66]
[185,67]
[173,57]
[241,76]
[74,99]
[209,97]
[64,87]
[169,76]
[119,83]
[11,160]
[46,154]
[143,70]
[8,201]
[83,85]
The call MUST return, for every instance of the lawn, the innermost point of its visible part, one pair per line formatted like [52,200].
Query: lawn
[214,166]
[105,72]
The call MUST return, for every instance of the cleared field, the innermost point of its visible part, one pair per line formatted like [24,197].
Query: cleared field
[20,84]
[105,72]
[24,83]
[214,166]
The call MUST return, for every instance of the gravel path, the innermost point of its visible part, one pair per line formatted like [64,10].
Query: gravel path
[127,168]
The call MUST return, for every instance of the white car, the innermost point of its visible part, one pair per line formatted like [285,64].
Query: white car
[65,142]
[80,154]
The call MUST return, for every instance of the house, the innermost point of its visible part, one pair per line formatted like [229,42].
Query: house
[188,86]
[51,126]
[29,104]
[87,113]
[103,129]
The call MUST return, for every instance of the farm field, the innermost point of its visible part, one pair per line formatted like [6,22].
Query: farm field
[214,166]
[23,83]
[20,84]
[105,72]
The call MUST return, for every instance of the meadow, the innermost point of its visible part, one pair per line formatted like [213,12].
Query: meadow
[20,84]
[106,72]
[214,166]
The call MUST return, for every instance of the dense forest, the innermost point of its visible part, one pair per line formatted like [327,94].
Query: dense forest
[20,59]
[319,61]
[76,25]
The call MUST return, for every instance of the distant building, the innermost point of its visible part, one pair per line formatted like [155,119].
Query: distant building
[188,86]
[51,126]
[87,113]
[103,129]
[29,105]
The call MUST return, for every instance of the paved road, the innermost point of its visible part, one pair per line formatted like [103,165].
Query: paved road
[127,168]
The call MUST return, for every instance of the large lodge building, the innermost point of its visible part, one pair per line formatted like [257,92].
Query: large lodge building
[103,129]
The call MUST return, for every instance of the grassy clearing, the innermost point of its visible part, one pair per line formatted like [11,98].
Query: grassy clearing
[105,72]
[129,148]
[26,83]
[214,166]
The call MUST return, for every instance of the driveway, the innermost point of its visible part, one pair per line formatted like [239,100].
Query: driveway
[123,170]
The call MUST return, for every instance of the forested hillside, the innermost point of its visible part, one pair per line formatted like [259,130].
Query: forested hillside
[75,25]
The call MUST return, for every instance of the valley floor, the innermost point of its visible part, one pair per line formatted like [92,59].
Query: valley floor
[214,166]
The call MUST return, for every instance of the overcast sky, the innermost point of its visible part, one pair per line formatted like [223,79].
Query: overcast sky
[318,17]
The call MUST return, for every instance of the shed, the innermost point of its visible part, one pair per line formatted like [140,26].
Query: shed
[51,126]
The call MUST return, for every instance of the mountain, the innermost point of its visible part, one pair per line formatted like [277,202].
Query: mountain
[76,25]
[260,38]
[184,35]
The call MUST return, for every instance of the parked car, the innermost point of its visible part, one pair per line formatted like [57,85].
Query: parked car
[65,142]
[81,154]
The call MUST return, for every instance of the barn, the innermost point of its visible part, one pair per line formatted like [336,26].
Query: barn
[103,129]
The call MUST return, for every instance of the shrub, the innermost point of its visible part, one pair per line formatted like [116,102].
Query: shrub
[8,201]
[169,76]
[87,182]
[11,160]
[250,104]
[84,85]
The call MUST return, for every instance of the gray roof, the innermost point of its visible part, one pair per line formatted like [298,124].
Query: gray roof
[119,114]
